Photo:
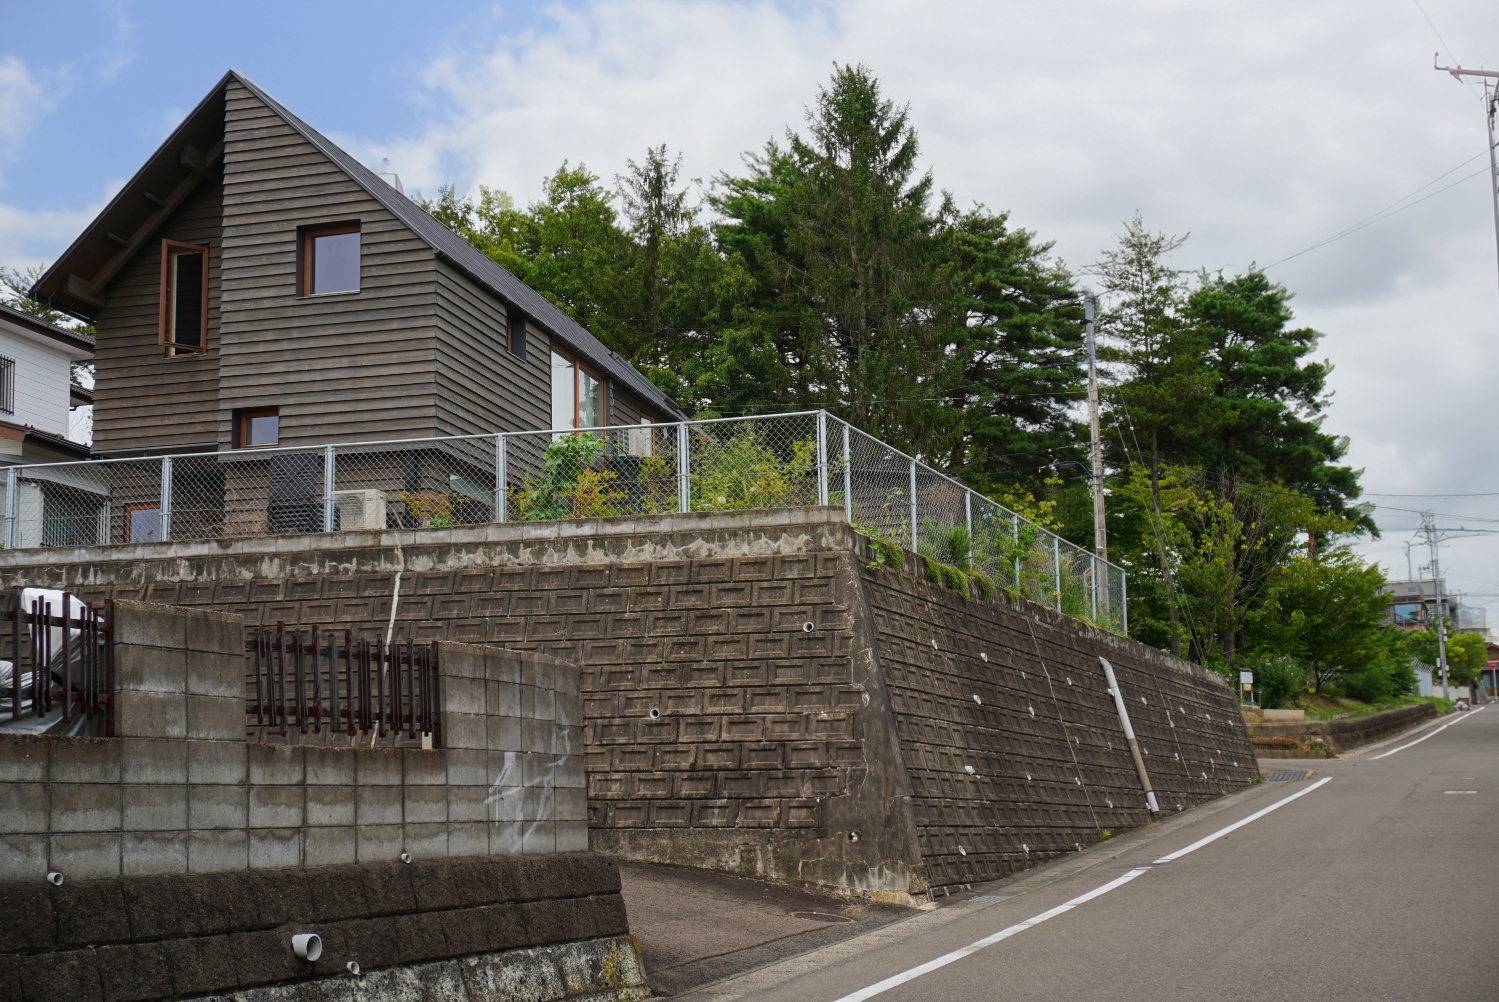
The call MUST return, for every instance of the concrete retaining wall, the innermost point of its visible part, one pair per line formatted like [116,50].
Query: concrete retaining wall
[755,699]
[1346,735]
[523,927]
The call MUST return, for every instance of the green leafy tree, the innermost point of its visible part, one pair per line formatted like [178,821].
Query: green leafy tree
[1329,611]
[1467,654]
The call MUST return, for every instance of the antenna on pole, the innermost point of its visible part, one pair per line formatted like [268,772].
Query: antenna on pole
[1490,80]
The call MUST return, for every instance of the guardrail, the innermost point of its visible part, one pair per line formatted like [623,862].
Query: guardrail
[721,464]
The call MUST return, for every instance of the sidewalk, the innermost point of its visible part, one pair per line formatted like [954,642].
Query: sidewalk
[696,926]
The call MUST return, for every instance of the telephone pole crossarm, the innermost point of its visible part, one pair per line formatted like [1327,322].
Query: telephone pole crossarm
[1491,100]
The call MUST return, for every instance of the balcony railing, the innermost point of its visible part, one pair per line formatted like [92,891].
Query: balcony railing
[771,461]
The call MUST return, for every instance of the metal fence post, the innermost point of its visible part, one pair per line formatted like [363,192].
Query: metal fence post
[1093,591]
[968,517]
[1124,603]
[1056,567]
[684,469]
[12,507]
[166,497]
[822,457]
[501,485]
[1015,521]
[330,483]
[848,476]
[913,504]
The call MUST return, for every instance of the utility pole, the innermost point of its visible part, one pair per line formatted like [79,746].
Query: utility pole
[1490,79]
[1429,529]
[1100,531]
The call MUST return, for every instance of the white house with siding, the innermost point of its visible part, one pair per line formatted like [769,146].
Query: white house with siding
[36,390]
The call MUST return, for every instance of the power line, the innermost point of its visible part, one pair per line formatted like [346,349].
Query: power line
[1388,210]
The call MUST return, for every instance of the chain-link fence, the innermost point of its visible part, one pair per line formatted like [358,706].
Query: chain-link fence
[773,461]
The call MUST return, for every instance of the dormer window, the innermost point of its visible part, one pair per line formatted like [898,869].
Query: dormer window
[184,298]
[330,260]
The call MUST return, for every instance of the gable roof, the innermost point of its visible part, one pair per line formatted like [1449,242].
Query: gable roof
[186,153]
[78,347]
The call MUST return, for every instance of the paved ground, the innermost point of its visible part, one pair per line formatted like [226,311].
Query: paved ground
[695,927]
[1377,884]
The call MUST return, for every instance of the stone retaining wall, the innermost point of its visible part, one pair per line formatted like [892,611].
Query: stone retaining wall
[535,927]
[754,698]
[1346,735]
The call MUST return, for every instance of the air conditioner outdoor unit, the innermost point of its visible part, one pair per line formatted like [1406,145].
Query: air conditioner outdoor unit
[360,509]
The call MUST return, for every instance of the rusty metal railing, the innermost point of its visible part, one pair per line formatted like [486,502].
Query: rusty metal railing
[59,659]
[308,681]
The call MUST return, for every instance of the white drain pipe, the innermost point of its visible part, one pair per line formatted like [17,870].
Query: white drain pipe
[1129,734]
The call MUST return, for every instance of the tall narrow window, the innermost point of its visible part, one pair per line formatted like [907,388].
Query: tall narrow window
[515,333]
[330,260]
[259,428]
[8,385]
[577,395]
[184,298]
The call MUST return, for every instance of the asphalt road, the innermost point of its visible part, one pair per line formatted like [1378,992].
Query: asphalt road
[1376,884]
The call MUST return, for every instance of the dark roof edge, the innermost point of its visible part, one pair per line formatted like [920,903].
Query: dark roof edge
[472,262]
[71,338]
[126,190]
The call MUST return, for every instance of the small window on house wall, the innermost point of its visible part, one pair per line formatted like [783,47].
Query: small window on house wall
[330,260]
[577,395]
[7,385]
[184,298]
[515,333]
[258,429]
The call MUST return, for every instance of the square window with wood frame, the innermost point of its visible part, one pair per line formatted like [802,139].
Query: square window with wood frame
[330,260]
[258,429]
[184,298]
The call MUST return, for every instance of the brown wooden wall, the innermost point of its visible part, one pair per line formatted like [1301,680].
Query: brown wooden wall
[418,351]
[142,398]
[350,366]
[481,386]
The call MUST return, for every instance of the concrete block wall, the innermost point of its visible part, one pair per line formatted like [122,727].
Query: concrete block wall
[1011,740]
[537,927]
[180,790]
[773,662]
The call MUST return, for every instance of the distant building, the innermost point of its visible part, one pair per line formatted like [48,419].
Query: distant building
[36,389]
[1413,607]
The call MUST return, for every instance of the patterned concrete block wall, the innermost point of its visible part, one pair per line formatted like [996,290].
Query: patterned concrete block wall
[180,790]
[1012,741]
[754,699]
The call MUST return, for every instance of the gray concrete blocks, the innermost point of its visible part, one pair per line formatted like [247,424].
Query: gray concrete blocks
[181,790]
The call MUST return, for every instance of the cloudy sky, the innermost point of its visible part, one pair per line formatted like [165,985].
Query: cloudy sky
[1262,129]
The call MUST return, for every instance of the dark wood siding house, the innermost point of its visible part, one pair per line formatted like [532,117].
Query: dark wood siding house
[253,283]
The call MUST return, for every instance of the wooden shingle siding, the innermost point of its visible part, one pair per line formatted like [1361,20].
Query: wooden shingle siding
[481,386]
[341,367]
[142,398]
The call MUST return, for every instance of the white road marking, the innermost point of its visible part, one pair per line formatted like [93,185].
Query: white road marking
[947,958]
[1178,854]
[1433,734]
[974,947]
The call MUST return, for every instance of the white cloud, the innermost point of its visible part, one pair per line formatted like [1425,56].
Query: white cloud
[21,99]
